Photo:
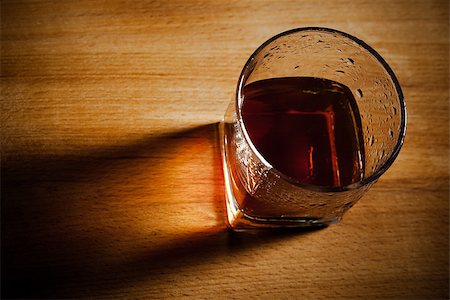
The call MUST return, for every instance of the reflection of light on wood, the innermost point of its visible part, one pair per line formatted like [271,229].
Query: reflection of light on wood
[185,181]
[157,187]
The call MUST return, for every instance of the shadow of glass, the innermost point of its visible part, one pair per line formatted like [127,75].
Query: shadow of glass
[84,225]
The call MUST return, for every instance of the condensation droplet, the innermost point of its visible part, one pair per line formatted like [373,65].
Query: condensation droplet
[266,55]
[394,110]
[360,93]
[351,60]
[391,133]
[372,140]
[296,67]
[340,71]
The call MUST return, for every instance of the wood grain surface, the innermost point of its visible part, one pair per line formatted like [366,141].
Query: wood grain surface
[111,176]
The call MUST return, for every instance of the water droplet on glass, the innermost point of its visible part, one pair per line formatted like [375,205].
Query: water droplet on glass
[394,110]
[391,133]
[360,93]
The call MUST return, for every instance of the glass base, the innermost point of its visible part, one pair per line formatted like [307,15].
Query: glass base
[240,221]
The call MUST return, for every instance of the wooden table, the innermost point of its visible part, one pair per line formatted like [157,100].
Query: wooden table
[111,174]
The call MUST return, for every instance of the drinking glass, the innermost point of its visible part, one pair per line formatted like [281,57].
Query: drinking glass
[276,199]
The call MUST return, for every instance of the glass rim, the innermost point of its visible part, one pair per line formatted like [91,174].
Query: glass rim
[401,136]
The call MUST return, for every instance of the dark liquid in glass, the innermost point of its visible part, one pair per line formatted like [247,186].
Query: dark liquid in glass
[307,128]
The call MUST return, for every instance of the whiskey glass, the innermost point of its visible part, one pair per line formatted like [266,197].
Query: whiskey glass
[258,195]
